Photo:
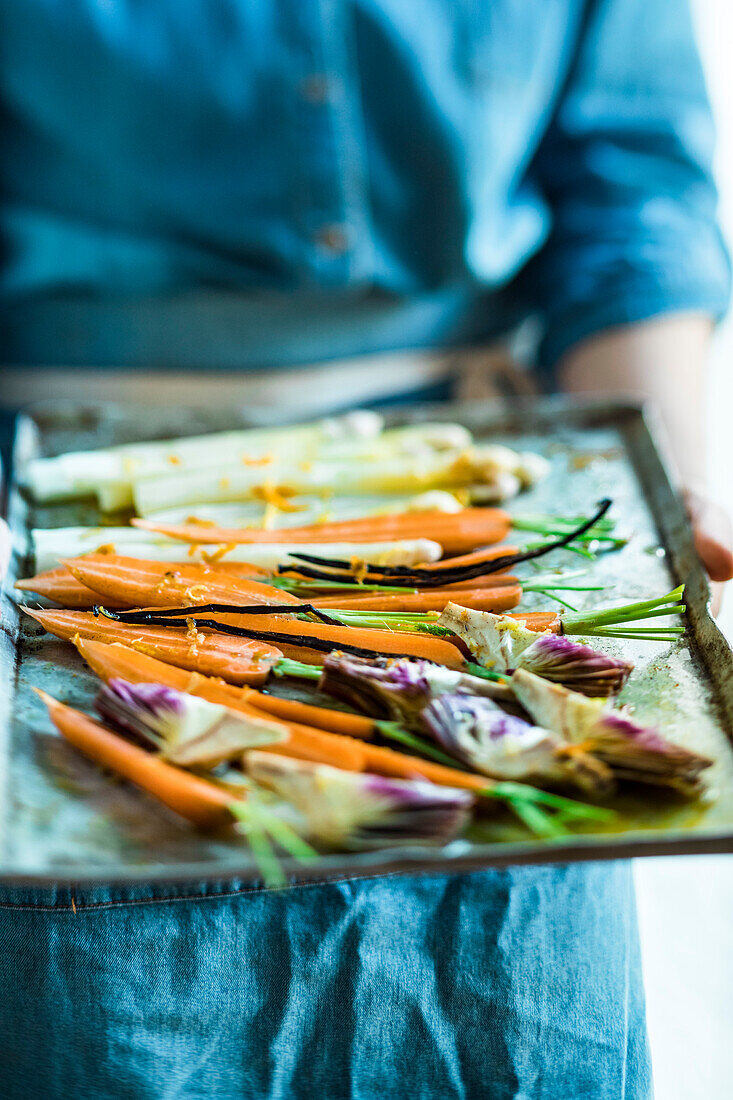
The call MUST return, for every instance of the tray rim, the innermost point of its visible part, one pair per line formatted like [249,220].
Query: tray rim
[668,513]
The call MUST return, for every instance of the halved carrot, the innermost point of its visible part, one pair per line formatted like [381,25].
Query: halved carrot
[497,599]
[63,588]
[310,640]
[238,660]
[362,571]
[401,765]
[111,661]
[202,803]
[456,532]
[135,582]
[539,620]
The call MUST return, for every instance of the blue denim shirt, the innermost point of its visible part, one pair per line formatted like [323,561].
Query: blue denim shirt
[361,146]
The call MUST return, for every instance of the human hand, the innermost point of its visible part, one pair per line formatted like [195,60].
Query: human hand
[713,533]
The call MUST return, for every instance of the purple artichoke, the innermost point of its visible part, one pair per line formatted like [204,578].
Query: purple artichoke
[479,734]
[575,666]
[360,811]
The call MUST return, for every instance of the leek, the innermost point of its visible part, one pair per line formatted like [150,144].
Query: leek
[110,471]
[50,545]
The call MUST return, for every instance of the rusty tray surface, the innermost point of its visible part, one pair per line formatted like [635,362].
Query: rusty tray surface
[64,821]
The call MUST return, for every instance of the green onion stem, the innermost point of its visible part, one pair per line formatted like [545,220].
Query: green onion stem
[486,673]
[395,732]
[257,822]
[572,547]
[569,807]
[287,667]
[669,634]
[262,851]
[292,584]
[591,622]
[537,821]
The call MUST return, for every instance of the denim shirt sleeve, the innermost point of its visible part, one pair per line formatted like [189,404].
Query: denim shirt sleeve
[625,166]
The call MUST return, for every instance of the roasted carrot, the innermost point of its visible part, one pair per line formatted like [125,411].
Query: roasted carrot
[428,575]
[238,660]
[111,661]
[63,588]
[305,640]
[497,599]
[539,620]
[202,803]
[401,765]
[456,532]
[135,582]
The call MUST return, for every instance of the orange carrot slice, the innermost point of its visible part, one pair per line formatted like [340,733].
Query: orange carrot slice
[498,599]
[63,588]
[456,532]
[237,660]
[278,629]
[135,582]
[539,620]
[203,804]
[111,661]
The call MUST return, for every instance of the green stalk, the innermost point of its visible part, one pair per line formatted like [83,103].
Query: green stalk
[286,667]
[542,524]
[263,853]
[591,623]
[568,807]
[257,822]
[669,634]
[395,732]
[554,526]
[538,822]
[574,548]
[292,584]
[486,673]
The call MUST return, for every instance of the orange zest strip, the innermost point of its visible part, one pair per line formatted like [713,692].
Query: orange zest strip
[203,804]
[238,660]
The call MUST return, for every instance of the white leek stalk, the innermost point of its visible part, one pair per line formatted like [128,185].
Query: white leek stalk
[307,510]
[110,471]
[53,544]
[486,469]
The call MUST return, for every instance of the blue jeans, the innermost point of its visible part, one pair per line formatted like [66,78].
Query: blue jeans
[522,983]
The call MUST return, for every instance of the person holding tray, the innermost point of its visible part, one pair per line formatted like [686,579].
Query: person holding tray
[301,206]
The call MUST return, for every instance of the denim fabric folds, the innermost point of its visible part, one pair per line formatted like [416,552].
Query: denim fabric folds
[521,984]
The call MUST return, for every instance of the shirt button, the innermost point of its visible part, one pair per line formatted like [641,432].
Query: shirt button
[315,88]
[336,239]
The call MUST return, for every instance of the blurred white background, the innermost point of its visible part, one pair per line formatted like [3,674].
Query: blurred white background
[686,905]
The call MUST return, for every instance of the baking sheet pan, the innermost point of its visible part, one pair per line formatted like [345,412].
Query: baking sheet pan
[63,821]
